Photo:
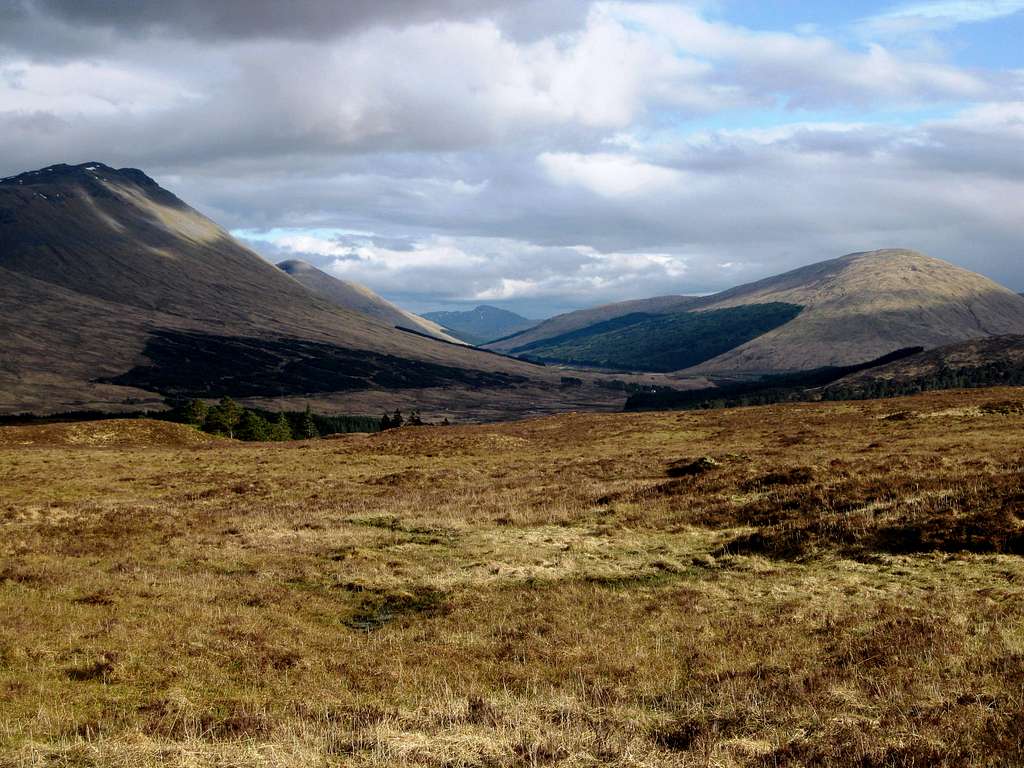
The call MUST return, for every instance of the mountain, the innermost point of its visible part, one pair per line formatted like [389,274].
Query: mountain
[113,291]
[359,298]
[865,305]
[480,325]
[840,312]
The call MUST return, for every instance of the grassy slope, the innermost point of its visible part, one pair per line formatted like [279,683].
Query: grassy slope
[526,594]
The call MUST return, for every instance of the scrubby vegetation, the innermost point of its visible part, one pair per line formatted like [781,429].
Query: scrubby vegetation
[227,418]
[766,390]
[643,342]
[811,584]
[998,373]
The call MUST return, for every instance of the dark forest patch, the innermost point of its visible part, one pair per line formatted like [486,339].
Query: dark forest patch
[188,364]
[673,342]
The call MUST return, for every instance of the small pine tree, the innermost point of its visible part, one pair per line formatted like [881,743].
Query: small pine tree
[253,427]
[308,430]
[281,430]
[396,419]
[385,423]
[414,419]
[223,418]
[195,412]
[446,423]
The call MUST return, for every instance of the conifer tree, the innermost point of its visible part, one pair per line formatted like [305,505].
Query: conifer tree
[195,412]
[281,430]
[308,430]
[253,427]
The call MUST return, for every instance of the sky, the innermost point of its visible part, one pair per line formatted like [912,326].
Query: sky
[544,155]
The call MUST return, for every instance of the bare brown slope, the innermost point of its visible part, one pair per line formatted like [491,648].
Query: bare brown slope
[574,321]
[359,298]
[864,305]
[95,260]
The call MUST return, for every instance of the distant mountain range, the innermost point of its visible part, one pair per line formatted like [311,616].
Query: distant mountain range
[112,290]
[835,313]
[359,298]
[482,324]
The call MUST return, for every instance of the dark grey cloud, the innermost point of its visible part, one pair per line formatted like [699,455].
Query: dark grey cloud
[284,19]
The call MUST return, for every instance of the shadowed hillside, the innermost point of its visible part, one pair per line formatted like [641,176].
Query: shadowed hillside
[661,342]
[585,318]
[108,260]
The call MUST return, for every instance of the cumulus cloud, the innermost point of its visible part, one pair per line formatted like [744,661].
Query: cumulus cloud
[562,152]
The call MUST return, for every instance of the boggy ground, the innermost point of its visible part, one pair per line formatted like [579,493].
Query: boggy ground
[842,585]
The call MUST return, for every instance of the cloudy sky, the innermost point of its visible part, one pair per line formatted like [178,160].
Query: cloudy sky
[544,154]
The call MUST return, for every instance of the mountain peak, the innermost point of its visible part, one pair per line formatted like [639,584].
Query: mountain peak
[92,171]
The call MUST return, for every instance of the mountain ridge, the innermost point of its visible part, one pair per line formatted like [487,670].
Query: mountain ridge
[358,298]
[855,308]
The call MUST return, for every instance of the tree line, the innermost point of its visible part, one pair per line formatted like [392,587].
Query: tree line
[230,419]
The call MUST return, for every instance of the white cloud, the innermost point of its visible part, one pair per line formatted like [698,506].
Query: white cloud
[87,88]
[608,175]
[941,14]
[805,69]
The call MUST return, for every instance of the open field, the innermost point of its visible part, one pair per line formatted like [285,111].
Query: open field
[843,584]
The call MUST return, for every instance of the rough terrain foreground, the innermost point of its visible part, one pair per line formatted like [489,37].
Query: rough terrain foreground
[817,584]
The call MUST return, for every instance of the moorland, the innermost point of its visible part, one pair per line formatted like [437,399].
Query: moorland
[800,584]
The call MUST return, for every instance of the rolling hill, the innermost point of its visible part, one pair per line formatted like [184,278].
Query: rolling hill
[359,298]
[852,309]
[113,290]
[482,324]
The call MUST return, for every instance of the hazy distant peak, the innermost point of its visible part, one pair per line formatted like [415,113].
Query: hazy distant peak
[481,324]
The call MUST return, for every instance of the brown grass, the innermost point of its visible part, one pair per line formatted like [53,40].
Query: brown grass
[835,588]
